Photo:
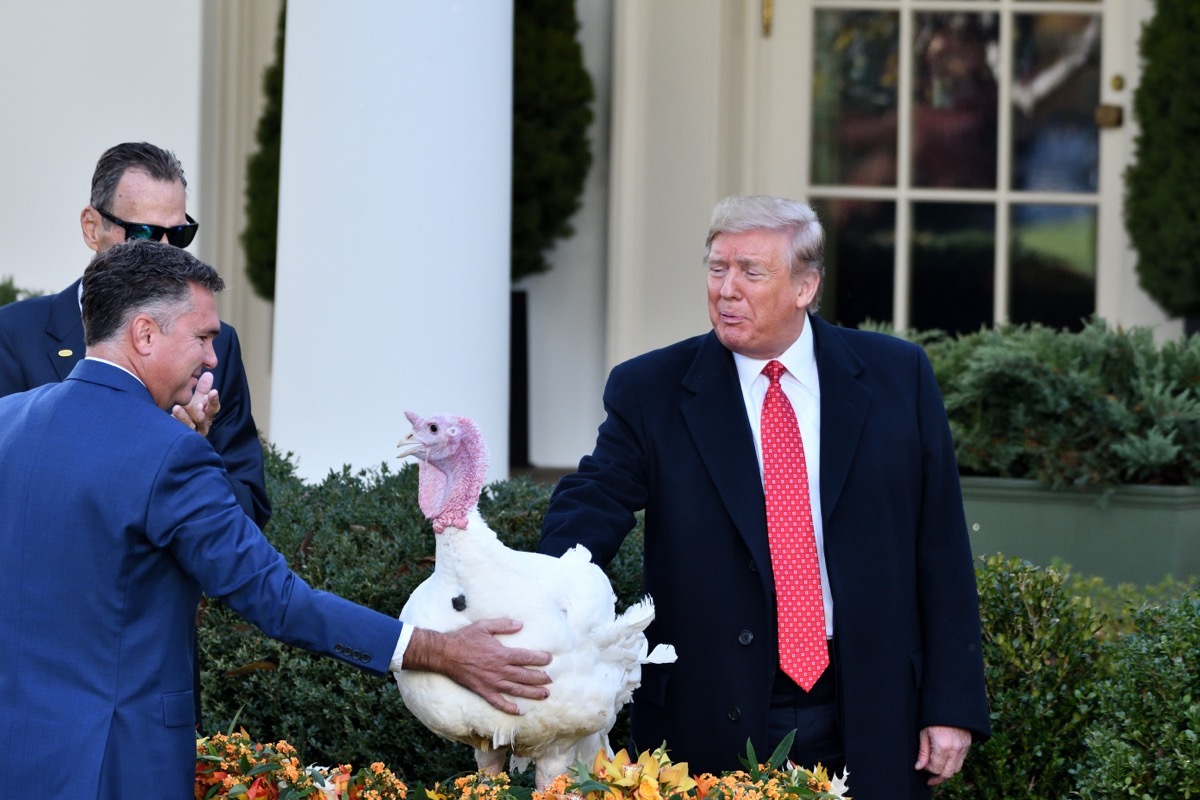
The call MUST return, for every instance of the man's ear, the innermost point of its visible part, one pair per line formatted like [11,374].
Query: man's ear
[807,289]
[90,222]
[142,331]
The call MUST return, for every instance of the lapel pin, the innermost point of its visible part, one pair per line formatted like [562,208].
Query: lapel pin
[66,353]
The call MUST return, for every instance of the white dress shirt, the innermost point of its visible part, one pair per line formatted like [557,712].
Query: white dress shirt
[803,391]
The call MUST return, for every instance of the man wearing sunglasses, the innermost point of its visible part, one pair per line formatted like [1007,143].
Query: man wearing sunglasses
[139,192]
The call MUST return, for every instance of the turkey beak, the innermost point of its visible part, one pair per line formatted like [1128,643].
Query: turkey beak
[408,446]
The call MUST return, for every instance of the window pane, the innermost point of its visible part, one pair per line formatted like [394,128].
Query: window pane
[953,265]
[854,98]
[1053,265]
[860,254]
[955,97]
[1056,88]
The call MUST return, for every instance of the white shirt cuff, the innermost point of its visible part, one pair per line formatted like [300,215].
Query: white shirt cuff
[401,645]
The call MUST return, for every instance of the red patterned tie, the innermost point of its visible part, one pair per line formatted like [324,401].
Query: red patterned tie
[803,653]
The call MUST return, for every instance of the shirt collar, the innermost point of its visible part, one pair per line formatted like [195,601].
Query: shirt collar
[118,366]
[800,359]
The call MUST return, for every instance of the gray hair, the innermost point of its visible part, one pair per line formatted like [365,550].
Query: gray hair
[140,276]
[162,165]
[742,213]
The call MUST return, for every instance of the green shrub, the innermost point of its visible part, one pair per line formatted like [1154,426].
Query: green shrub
[552,110]
[362,536]
[1118,605]
[262,175]
[1162,200]
[8,292]
[1144,738]
[1042,658]
[11,293]
[1086,410]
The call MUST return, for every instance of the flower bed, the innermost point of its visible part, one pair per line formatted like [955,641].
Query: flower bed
[234,766]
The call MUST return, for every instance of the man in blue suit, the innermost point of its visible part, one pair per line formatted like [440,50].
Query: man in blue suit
[903,694]
[139,191]
[114,518]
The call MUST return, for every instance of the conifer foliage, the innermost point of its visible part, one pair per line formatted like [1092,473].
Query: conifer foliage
[1162,186]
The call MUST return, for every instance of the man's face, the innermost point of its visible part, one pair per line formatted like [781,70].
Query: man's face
[755,305]
[181,353]
[139,198]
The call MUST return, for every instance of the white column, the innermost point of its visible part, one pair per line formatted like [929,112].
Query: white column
[392,290]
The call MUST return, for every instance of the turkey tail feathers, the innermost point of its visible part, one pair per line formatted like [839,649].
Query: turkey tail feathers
[661,654]
[638,615]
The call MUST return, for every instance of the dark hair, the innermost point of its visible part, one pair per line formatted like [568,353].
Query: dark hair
[140,276]
[162,165]
[739,214]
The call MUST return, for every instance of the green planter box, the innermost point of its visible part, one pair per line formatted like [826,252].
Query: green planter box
[1140,535]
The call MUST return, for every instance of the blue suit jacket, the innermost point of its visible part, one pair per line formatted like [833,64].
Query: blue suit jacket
[36,332]
[114,518]
[676,443]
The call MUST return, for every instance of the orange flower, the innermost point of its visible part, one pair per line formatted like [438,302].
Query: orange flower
[704,783]
[262,788]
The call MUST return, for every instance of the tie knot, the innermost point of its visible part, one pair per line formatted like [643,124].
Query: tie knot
[774,370]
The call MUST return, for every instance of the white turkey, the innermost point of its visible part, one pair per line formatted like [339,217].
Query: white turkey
[566,605]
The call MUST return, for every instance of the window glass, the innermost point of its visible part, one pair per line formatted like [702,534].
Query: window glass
[1056,88]
[854,98]
[1052,265]
[860,257]
[953,265]
[955,100]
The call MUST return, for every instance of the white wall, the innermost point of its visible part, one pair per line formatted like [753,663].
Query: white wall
[79,78]
[393,270]
[239,43]
[667,158]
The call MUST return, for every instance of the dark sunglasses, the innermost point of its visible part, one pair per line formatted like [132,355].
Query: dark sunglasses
[178,235]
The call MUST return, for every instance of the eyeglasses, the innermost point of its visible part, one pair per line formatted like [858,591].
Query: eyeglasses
[178,235]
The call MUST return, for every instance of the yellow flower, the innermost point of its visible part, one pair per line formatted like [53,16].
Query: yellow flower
[604,769]
[647,789]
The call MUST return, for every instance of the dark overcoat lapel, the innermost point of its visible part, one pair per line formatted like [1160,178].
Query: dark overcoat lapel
[844,403]
[65,329]
[716,418]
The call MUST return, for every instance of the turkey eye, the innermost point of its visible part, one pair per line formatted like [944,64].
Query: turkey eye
[433,428]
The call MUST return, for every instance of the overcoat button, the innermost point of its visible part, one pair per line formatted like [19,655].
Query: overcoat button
[753,566]
[745,637]
[735,713]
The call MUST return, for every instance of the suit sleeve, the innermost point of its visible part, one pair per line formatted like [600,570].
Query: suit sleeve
[235,436]
[192,513]
[954,691]
[595,506]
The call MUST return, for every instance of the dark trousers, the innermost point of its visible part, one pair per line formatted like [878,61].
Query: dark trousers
[813,715]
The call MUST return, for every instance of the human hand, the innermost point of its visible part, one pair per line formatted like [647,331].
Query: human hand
[942,751]
[202,409]
[474,658]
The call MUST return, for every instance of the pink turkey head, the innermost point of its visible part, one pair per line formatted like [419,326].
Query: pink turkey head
[453,466]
